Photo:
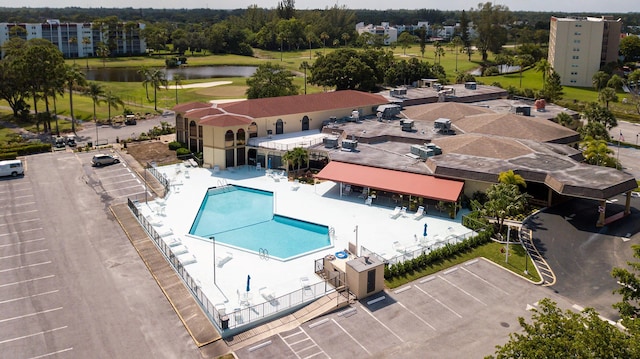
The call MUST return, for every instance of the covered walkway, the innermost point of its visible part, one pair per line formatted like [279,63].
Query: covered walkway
[401,183]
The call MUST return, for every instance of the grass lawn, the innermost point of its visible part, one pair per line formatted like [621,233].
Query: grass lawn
[490,251]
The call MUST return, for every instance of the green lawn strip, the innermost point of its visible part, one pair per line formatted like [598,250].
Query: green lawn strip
[491,251]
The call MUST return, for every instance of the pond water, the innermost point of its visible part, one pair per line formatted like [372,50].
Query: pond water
[188,73]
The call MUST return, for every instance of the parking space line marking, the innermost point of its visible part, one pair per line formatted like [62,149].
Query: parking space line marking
[25,253]
[21,242]
[32,335]
[351,336]
[127,187]
[115,176]
[16,190]
[18,213]
[52,353]
[19,205]
[439,302]
[416,315]
[26,195]
[485,281]
[428,279]
[135,194]
[28,296]
[25,231]
[30,314]
[381,323]
[25,266]
[464,291]
[403,289]
[23,221]
[26,281]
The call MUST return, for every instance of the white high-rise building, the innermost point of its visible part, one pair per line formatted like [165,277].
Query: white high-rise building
[579,47]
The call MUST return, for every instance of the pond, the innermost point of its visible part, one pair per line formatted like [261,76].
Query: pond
[187,73]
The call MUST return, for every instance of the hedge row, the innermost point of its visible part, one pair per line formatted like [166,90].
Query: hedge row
[11,152]
[435,256]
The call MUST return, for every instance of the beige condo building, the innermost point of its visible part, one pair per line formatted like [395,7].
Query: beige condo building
[579,47]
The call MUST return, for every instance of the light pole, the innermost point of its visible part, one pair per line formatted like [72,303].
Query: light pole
[356,230]
[213,245]
[506,259]
[96,120]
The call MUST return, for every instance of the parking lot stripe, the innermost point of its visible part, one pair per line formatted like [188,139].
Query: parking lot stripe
[21,242]
[464,291]
[23,254]
[439,302]
[24,221]
[26,195]
[25,266]
[18,213]
[416,315]
[19,205]
[350,336]
[26,281]
[16,190]
[381,323]
[28,296]
[52,353]
[116,176]
[25,231]
[32,335]
[30,314]
[485,281]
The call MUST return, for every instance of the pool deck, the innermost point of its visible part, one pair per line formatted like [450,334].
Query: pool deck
[321,204]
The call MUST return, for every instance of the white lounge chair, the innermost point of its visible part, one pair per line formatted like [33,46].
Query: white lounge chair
[368,201]
[258,167]
[399,247]
[187,258]
[403,211]
[268,295]
[396,212]
[305,283]
[179,249]
[419,213]
[164,232]
[296,185]
[347,190]
[221,261]
[173,241]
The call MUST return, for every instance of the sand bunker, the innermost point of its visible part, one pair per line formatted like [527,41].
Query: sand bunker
[198,85]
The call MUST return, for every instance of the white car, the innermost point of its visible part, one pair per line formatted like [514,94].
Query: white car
[104,159]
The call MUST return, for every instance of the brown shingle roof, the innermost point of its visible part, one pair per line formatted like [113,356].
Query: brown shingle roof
[516,126]
[482,146]
[286,105]
[450,110]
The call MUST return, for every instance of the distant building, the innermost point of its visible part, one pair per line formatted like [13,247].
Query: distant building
[77,40]
[388,33]
[579,47]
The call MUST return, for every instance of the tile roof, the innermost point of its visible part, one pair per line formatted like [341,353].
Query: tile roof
[287,105]
[184,107]
[224,120]
[450,110]
[482,146]
[202,112]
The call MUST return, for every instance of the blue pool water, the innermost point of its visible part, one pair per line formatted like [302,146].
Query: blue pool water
[243,217]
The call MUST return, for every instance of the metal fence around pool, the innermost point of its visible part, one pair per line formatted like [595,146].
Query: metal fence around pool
[245,314]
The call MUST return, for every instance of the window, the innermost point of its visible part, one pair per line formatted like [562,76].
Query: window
[574,73]
[575,57]
[576,49]
[577,33]
[573,81]
[228,139]
[576,41]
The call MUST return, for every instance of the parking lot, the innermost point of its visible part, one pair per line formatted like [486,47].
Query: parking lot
[462,312]
[71,284]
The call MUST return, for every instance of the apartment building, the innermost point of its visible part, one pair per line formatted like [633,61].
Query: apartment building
[76,40]
[384,30]
[579,47]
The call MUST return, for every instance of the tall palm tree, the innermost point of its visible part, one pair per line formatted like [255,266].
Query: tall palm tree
[86,41]
[296,157]
[177,80]
[112,101]
[324,37]
[145,72]
[305,66]
[545,67]
[72,42]
[157,79]
[73,77]
[96,92]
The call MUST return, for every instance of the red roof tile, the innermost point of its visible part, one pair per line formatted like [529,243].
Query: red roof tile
[202,112]
[286,105]
[393,181]
[224,120]
[184,107]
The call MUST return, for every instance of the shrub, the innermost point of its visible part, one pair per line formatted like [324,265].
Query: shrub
[174,145]
[182,151]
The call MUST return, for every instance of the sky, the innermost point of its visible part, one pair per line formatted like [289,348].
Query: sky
[597,6]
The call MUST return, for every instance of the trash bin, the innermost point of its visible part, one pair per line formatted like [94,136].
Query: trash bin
[89,144]
[224,322]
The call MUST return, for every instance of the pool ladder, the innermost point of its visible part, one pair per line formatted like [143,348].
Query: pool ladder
[263,253]
[223,184]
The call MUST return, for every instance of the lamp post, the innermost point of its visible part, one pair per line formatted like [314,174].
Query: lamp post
[213,245]
[506,259]
[356,230]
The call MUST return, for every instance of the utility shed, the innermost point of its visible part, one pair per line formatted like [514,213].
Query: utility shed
[365,276]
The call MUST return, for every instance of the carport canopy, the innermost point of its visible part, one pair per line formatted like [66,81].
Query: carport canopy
[405,183]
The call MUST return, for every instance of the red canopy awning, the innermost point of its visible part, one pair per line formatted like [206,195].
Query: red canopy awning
[393,181]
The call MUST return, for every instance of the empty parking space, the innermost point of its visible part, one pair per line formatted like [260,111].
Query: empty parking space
[118,180]
[431,315]
[33,317]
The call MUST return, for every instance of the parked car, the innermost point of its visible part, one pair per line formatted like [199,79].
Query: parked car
[59,142]
[130,120]
[71,141]
[104,159]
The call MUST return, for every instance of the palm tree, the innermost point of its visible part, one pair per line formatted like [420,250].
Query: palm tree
[305,66]
[73,77]
[504,200]
[607,95]
[145,72]
[345,38]
[72,41]
[545,67]
[510,177]
[157,79]
[324,37]
[296,157]
[457,42]
[112,101]
[86,41]
[96,92]
[439,51]
[177,80]
[596,152]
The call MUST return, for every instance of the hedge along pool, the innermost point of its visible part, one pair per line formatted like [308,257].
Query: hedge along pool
[243,217]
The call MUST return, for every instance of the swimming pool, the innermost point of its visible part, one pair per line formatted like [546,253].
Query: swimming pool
[243,217]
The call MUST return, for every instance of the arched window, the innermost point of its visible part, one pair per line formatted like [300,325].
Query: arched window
[305,123]
[228,139]
[253,130]
[240,137]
